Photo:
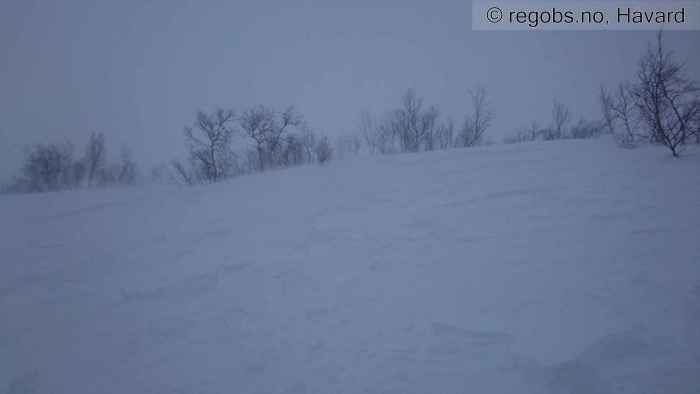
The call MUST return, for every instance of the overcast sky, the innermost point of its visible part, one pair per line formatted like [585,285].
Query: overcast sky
[138,70]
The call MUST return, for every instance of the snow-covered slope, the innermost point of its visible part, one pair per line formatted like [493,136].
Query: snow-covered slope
[568,267]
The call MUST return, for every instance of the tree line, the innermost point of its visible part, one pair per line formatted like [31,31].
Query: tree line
[660,106]
[561,126]
[57,166]
[224,144]
[415,127]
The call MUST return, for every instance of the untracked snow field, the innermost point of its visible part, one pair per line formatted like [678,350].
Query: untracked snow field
[564,267]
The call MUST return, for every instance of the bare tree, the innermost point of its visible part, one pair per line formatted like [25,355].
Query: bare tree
[606,107]
[182,173]
[348,145]
[293,152]
[128,170]
[623,110]
[428,126]
[95,157]
[532,131]
[209,144]
[444,135]
[266,128]
[323,150]
[412,124]
[476,123]
[387,134]
[308,140]
[406,122]
[561,116]
[79,172]
[668,102]
[369,131]
[47,168]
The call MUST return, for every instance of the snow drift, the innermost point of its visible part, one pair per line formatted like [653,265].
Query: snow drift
[564,267]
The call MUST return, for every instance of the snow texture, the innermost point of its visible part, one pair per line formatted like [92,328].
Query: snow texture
[565,267]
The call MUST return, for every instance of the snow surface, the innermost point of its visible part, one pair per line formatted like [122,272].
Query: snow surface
[565,267]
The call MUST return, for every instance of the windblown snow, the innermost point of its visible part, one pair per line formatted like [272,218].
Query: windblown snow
[564,267]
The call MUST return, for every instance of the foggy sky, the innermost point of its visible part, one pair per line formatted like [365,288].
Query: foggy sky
[138,70]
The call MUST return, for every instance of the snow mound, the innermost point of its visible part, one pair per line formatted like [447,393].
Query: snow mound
[564,267]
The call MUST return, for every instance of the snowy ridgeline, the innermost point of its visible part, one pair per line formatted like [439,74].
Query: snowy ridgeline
[565,267]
